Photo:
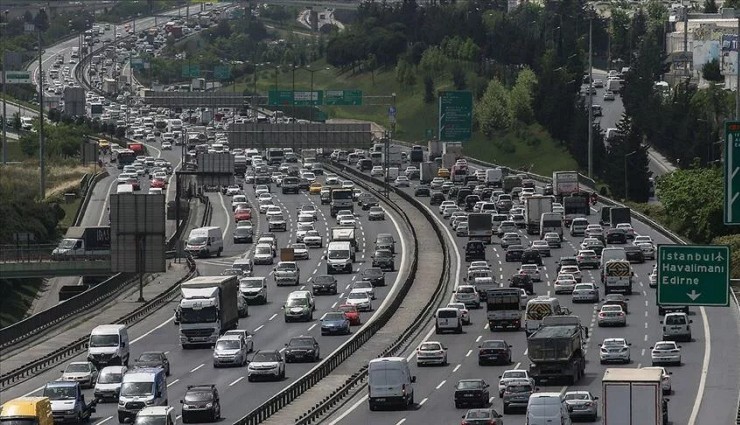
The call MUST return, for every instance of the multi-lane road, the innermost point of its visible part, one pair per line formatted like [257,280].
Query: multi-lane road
[705,385]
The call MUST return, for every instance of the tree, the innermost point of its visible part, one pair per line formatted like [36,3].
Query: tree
[627,163]
[41,20]
[710,6]
[428,89]
[493,111]
[521,96]
[433,62]
[711,72]
[458,77]
[371,64]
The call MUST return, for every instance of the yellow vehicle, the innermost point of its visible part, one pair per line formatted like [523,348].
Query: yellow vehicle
[443,172]
[103,144]
[27,410]
[315,188]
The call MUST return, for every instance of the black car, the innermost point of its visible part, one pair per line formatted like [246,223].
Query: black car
[383,259]
[436,198]
[634,254]
[304,184]
[566,261]
[201,402]
[616,236]
[385,241]
[461,195]
[523,281]
[374,275]
[365,164]
[514,253]
[243,235]
[496,351]
[471,392]
[422,191]
[532,256]
[153,359]
[302,349]
[470,202]
[324,284]
[475,250]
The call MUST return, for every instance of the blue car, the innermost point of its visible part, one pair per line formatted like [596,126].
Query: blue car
[335,322]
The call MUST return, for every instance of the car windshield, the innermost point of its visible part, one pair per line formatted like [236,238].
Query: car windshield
[198,396]
[466,290]
[469,385]
[383,253]
[110,378]
[675,320]
[136,388]
[150,420]
[149,357]
[77,367]
[338,254]
[577,396]
[613,343]
[664,346]
[60,393]
[104,340]
[334,316]
[301,342]
[262,250]
[515,375]
[494,344]
[429,346]
[478,414]
[197,240]
[296,302]
[357,296]
[227,344]
[266,357]
[286,266]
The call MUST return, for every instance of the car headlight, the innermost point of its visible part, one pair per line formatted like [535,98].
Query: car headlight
[70,412]
[149,402]
[209,405]
[121,403]
[185,407]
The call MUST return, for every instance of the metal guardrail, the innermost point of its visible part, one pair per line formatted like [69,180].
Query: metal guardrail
[298,387]
[36,366]
[88,189]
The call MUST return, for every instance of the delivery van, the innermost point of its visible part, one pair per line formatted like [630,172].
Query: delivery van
[108,346]
[547,409]
[141,387]
[390,383]
[205,241]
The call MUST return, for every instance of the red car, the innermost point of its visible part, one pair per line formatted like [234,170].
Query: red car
[242,214]
[135,183]
[351,313]
[161,183]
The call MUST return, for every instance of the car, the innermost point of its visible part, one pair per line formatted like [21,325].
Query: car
[326,284]
[552,239]
[347,220]
[642,239]
[514,253]
[523,298]
[482,417]
[496,351]
[266,364]
[572,270]
[302,348]
[443,172]
[582,404]
[471,392]
[383,258]
[648,250]
[564,284]
[244,335]
[634,254]
[85,373]
[611,315]
[402,181]
[376,213]
[653,278]
[335,322]
[436,198]
[153,359]
[516,394]
[464,312]
[166,146]
[314,188]
[351,313]
[542,246]
[462,229]
[522,281]
[313,239]
[627,228]
[617,299]
[449,210]
[665,380]
[614,350]
[676,326]
[287,272]
[444,205]
[243,233]
[232,189]
[263,254]
[365,286]
[665,352]
[374,275]
[431,352]
[242,213]
[300,251]
[262,189]
[510,376]
[587,292]
[201,402]
[531,270]
[360,299]
[616,236]
[609,95]
[510,238]
[422,191]
[587,258]
[531,256]
[230,350]
[467,295]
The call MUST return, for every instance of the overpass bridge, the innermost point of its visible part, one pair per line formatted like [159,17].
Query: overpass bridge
[26,261]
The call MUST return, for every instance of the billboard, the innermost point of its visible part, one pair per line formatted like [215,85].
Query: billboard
[137,233]
[300,136]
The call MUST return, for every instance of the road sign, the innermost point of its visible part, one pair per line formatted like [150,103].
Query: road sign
[455,116]
[301,98]
[694,275]
[137,63]
[343,97]
[222,73]
[192,71]
[18,77]
[732,166]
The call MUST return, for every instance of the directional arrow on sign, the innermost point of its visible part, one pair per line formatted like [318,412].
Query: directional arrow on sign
[693,295]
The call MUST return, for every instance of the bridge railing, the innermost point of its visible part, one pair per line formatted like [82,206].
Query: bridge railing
[36,253]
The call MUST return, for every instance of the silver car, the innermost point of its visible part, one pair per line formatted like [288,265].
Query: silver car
[665,352]
[614,350]
[582,404]
[585,292]
[230,350]
[83,372]
[612,315]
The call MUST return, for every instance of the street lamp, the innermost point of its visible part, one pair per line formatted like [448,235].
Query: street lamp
[5,110]
[626,181]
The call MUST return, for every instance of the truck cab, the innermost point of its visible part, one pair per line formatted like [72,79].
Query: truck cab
[68,402]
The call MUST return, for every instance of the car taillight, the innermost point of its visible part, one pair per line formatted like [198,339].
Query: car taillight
[464,422]
[601,315]
[403,389]
[621,314]
[588,403]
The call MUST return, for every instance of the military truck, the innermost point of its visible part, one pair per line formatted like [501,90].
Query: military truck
[555,350]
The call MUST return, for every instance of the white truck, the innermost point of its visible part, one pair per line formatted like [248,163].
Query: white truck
[83,243]
[344,234]
[564,183]
[435,149]
[633,397]
[428,172]
[494,177]
[534,208]
[394,156]
[208,308]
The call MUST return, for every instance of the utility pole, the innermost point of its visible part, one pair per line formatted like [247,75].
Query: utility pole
[685,38]
[590,100]
[42,150]
[5,105]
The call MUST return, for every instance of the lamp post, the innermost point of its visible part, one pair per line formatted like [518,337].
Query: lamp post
[5,106]
[626,180]
[42,147]
[590,99]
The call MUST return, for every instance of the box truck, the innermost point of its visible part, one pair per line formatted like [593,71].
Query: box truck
[633,397]
[208,308]
[536,206]
[83,242]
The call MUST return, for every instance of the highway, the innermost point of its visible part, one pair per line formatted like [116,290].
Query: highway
[157,331]
[717,391]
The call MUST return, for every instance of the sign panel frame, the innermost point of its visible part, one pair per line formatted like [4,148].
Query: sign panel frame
[731,212]
[692,267]
[455,116]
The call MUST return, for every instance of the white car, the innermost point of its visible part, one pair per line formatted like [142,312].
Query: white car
[309,210]
[564,284]
[166,146]
[653,278]
[263,254]
[302,229]
[363,285]
[300,251]
[665,352]
[347,220]
[313,239]
[360,299]
[572,270]
[614,350]
[648,250]
[233,190]
[464,312]
[83,372]
[235,199]
[437,183]
[523,299]
[446,204]
[377,171]
[431,352]
[402,181]
[449,210]
[585,292]
[510,376]
[266,364]
[642,239]
[665,380]
[263,188]
[532,270]
[467,295]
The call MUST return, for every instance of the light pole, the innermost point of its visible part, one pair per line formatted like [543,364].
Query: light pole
[42,147]
[5,106]
[590,99]
[626,180]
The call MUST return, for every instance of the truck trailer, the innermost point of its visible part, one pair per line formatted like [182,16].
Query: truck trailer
[428,171]
[536,206]
[633,397]
[564,183]
[208,308]
[480,227]
[503,308]
[555,350]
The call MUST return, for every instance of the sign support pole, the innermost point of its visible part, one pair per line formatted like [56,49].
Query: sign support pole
[42,150]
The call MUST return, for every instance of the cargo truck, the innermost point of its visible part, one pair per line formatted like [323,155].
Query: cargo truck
[633,397]
[536,206]
[605,219]
[428,171]
[341,199]
[394,156]
[87,242]
[417,154]
[275,156]
[344,234]
[453,148]
[564,183]
[555,350]
[503,308]
[574,207]
[618,215]
[435,149]
[208,308]
[480,227]
[510,182]
[448,160]
[494,177]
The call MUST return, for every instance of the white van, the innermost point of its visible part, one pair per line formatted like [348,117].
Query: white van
[609,254]
[108,345]
[339,257]
[390,382]
[205,241]
[125,188]
[159,415]
[141,387]
[676,326]
[253,289]
[547,409]
[447,319]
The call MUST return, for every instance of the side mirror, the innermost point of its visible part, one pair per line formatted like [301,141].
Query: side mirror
[691,321]
[661,322]
[413,379]
[182,402]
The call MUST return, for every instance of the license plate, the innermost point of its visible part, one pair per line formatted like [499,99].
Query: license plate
[469,395]
[379,399]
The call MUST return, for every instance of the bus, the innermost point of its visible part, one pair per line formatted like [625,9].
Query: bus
[124,157]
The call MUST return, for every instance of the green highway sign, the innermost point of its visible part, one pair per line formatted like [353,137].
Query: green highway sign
[222,73]
[192,71]
[279,97]
[18,77]
[732,186]
[298,98]
[694,275]
[455,116]
[343,97]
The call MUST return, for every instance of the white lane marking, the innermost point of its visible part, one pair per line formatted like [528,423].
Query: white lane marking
[456,368]
[334,305]
[311,327]
[178,417]
[161,325]
[401,421]
[272,317]
[166,352]
[645,338]
[421,403]
[642,352]
[173,382]
[236,381]
[490,400]
[104,420]
[441,383]
[228,217]
[517,365]
[282,349]
[479,338]
[468,353]
[258,328]
[704,367]
[104,210]
[197,367]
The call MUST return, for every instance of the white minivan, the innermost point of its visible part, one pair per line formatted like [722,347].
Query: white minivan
[108,345]
[205,241]
[390,383]
[547,409]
